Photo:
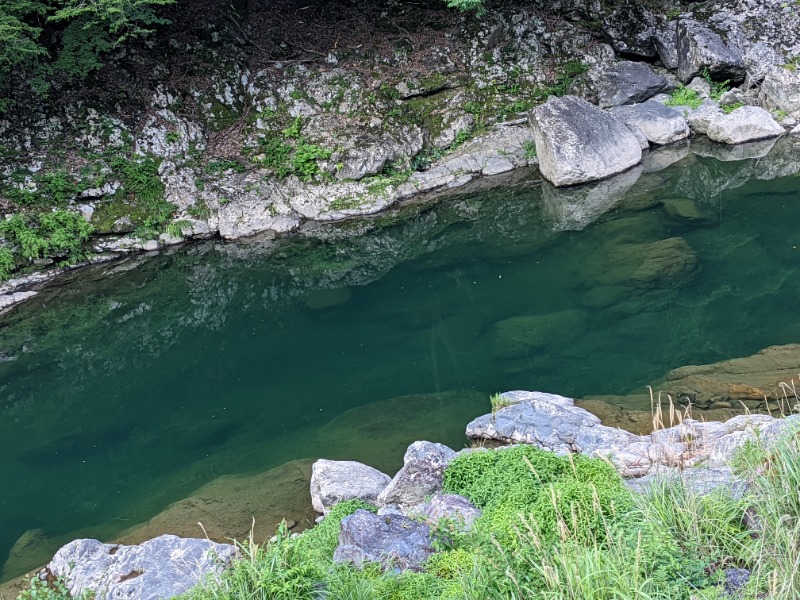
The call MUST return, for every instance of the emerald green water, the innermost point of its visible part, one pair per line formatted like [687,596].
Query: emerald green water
[127,388]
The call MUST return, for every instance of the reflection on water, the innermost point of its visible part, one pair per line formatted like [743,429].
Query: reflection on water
[152,377]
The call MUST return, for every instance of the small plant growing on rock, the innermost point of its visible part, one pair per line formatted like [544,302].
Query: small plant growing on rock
[498,401]
[683,96]
[530,149]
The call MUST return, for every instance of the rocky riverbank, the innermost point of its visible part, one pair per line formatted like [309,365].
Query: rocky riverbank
[260,146]
[698,450]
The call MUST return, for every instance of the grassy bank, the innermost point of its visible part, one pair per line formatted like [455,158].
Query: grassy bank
[561,528]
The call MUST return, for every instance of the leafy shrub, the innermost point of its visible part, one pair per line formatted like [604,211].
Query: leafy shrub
[58,234]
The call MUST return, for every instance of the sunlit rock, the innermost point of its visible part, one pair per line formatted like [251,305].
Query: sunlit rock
[577,142]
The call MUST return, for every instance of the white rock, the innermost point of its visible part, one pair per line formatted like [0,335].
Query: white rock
[745,124]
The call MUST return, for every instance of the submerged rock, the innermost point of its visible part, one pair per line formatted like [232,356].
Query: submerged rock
[333,481]
[665,263]
[745,124]
[160,568]
[393,541]
[422,473]
[518,336]
[577,142]
[768,375]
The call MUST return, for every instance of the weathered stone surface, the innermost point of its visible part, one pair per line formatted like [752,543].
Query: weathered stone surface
[160,568]
[627,82]
[695,481]
[453,507]
[747,380]
[333,481]
[392,540]
[781,90]
[574,208]
[745,124]
[577,142]
[630,29]
[556,424]
[519,336]
[660,124]
[9,300]
[545,420]
[661,157]
[700,48]
[701,118]
[666,43]
[421,475]
[758,60]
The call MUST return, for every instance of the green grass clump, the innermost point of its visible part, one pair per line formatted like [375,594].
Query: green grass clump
[729,108]
[561,528]
[292,154]
[683,96]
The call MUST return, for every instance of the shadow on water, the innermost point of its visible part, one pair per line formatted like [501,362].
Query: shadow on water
[136,383]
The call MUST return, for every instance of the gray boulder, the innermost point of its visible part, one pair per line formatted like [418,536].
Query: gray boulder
[694,481]
[627,82]
[333,481]
[666,43]
[630,29]
[577,142]
[660,124]
[781,90]
[452,507]
[699,48]
[423,468]
[758,60]
[163,567]
[544,420]
[393,541]
[701,118]
[745,124]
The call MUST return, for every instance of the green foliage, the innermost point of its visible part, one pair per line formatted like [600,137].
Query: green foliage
[498,401]
[39,589]
[292,154]
[7,263]
[289,568]
[58,234]
[729,108]
[467,5]
[717,87]
[530,150]
[683,96]
[84,32]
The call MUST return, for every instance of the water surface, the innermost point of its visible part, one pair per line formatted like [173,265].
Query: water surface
[141,381]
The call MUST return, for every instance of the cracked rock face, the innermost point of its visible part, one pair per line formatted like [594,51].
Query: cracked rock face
[699,49]
[391,540]
[422,473]
[578,142]
[627,82]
